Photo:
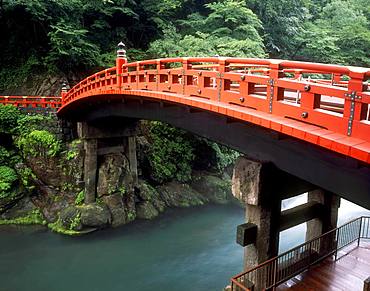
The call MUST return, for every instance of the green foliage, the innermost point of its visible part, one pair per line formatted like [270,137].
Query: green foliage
[339,34]
[7,178]
[27,177]
[28,123]
[70,46]
[38,143]
[76,222]
[80,198]
[67,186]
[4,156]
[9,157]
[15,74]
[58,227]
[80,35]
[283,21]
[33,217]
[9,116]
[122,190]
[224,156]
[212,156]
[230,29]
[170,154]
[71,155]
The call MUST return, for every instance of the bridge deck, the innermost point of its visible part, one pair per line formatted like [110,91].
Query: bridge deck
[347,273]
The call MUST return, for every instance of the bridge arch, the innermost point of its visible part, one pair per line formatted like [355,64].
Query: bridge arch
[319,166]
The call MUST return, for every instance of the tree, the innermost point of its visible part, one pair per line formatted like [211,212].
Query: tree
[229,29]
[282,21]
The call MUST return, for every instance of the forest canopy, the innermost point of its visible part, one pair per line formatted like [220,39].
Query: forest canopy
[81,35]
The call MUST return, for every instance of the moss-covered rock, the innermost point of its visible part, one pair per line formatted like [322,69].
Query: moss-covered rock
[146,192]
[114,175]
[117,208]
[146,210]
[69,217]
[216,190]
[174,194]
[95,215]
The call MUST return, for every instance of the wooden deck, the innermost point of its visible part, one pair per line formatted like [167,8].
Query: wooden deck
[347,273]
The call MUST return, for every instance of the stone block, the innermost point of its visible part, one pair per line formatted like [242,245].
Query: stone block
[246,234]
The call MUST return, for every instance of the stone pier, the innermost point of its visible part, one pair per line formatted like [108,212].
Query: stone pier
[261,187]
[102,140]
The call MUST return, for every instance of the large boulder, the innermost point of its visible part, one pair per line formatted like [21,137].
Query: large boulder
[146,192]
[114,175]
[12,197]
[95,215]
[70,218]
[217,190]
[122,208]
[146,210]
[175,194]
[20,209]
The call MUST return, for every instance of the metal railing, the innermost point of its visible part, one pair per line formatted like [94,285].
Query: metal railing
[275,271]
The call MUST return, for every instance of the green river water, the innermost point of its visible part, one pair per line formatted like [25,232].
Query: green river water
[184,249]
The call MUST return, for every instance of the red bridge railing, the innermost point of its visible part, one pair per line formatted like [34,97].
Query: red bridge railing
[32,102]
[328,105]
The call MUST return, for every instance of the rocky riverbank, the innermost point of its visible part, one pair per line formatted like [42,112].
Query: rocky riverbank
[48,188]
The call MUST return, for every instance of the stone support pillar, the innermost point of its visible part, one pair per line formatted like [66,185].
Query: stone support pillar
[326,220]
[131,155]
[329,216]
[253,185]
[90,169]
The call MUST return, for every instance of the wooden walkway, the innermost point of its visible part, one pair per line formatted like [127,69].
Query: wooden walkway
[347,273]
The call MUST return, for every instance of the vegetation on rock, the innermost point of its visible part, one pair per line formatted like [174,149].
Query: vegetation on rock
[7,178]
[80,197]
[39,143]
[33,217]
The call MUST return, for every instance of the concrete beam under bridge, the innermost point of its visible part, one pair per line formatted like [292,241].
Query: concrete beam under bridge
[318,166]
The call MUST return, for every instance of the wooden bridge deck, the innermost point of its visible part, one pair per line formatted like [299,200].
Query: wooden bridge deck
[347,273]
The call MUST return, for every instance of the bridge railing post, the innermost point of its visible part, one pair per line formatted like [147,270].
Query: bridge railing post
[64,92]
[273,92]
[354,109]
[121,60]
[222,69]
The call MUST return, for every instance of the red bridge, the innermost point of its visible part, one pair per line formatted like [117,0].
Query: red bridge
[312,116]
[332,111]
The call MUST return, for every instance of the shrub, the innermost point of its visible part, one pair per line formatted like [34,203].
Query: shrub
[7,178]
[9,116]
[28,123]
[170,154]
[39,143]
[73,150]
[4,156]
[27,177]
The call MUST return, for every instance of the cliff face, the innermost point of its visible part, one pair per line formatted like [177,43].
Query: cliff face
[54,195]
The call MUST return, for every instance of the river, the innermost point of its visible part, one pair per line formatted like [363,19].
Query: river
[190,249]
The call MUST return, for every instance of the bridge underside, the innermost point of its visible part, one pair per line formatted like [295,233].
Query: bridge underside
[333,172]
